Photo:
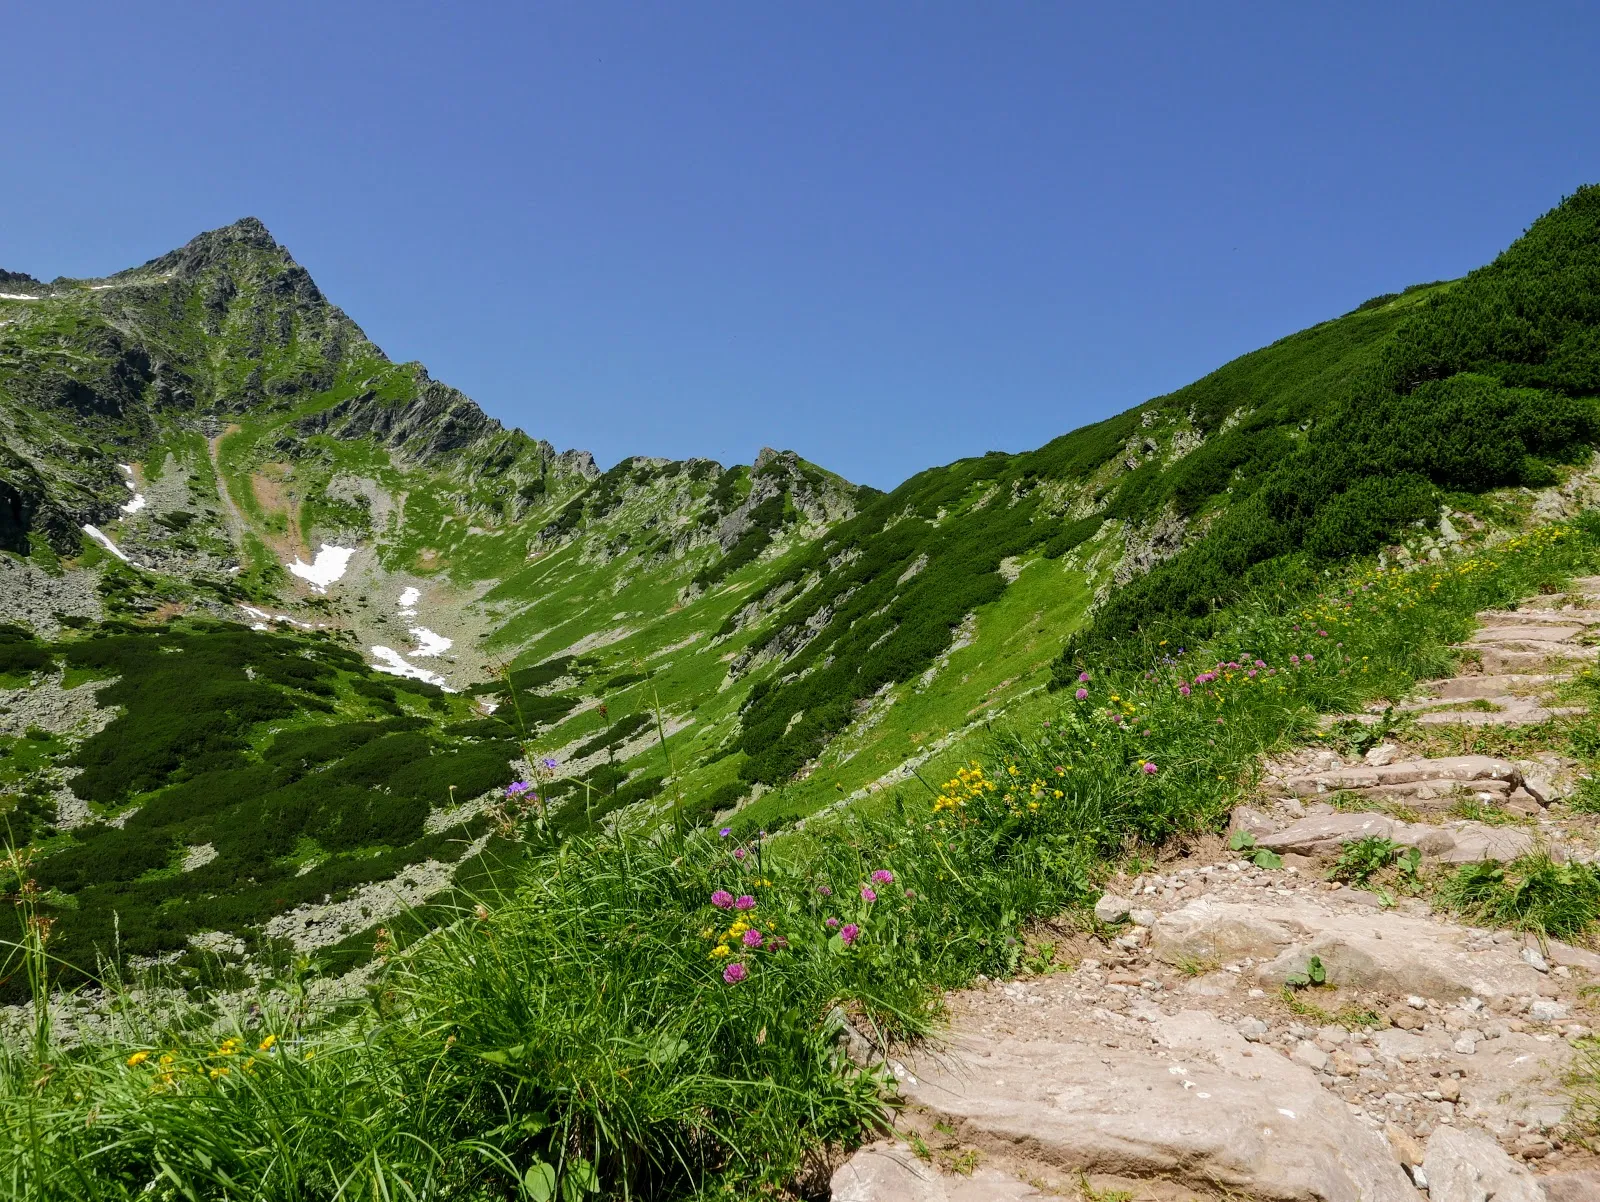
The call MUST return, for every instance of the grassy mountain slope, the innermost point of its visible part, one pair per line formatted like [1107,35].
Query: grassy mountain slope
[680,637]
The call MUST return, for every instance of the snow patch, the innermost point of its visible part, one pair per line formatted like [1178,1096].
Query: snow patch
[95,533]
[135,505]
[265,617]
[18,296]
[428,643]
[408,602]
[328,566]
[396,664]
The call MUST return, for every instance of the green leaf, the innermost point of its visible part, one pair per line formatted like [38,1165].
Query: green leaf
[1266,858]
[540,1181]
[666,1049]
[1314,970]
[580,1176]
[1241,841]
[1297,980]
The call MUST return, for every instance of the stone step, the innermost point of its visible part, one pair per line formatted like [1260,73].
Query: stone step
[1438,796]
[1463,769]
[1525,638]
[1500,660]
[1523,715]
[1379,950]
[1540,617]
[1471,688]
[1190,1102]
[1452,843]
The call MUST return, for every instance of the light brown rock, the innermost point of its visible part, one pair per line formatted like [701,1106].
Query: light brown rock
[1384,951]
[1454,768]
[1403,1144]
[1210,1113]
[1581,1186]
[1466,1165]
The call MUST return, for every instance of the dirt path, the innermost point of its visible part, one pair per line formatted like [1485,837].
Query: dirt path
[236,523]
[1174,1063]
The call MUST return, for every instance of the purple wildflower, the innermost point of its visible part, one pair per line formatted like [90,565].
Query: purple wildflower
[1081,694]
[744,902]
[848,933]
[832,924]
[517,788]
[1083,677]
[735,973]
[1149,768]
[1294,659]
[867,894]
[722,899]
[1261,663]
[825,890]
[1309,658]
[725,831]
[1183,690]
[739,853]
[549,763]
[752,938]
[883,877]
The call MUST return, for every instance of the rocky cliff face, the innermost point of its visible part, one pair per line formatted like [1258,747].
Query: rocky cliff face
[226,328]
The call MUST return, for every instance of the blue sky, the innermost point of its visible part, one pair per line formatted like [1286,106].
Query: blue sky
[884,235]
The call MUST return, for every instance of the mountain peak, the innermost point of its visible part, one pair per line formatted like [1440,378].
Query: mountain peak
[247,238]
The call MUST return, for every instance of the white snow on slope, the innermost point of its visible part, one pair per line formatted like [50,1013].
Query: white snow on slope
[95,533]
[395,664]
[429,643]
[138,502]
[18,296]
[328,566]
[408,602]
[266,617]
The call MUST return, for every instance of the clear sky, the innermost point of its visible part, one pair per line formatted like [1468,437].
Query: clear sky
[884,235]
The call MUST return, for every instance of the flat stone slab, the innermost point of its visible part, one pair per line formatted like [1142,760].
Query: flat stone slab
[1462,768]
[1466,1165]
[1473,688]
[1378,950]
[889,1172]
[1199,1107]
[1501,659]
[1455,843]
[1523,637]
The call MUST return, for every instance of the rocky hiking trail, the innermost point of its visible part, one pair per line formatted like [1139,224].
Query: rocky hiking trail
[1173,1063]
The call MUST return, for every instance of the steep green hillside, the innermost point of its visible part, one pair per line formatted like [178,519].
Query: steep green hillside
[205,444]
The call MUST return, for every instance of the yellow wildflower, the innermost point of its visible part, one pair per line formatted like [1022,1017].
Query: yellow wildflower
[266,1044]
[138,1058]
